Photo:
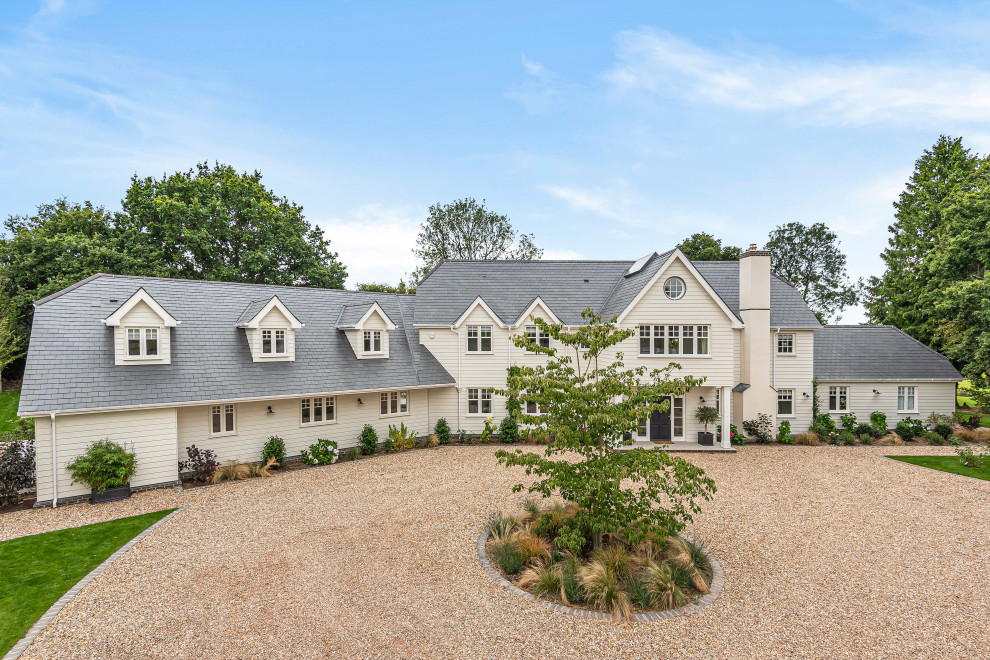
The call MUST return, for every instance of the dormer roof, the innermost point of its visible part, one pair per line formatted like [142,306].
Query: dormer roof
[258,309]
[353,317]
[140,296]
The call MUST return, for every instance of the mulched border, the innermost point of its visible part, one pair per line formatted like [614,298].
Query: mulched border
[718,582]
[17,649]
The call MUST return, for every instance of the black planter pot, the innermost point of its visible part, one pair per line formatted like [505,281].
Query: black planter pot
[706,439]
[111,494]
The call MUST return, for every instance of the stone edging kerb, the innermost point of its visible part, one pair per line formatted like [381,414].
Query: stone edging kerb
[46,618]
[718,582]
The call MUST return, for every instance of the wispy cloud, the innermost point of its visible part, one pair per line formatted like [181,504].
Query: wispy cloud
[820,91]
[542,91]
[375,242]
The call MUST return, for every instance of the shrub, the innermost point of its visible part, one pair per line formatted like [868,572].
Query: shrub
[489,430]
[542,580]
[909,428]
[352,454]
[864,428]
[507,556]
[274,448]
[974,458]
[604,590]
[810,439]
[463,436]
[966,435]
[660,581]
[971,422]
[866,438]
[368,440]
[784,433]
[934,419]
[848,421]
[400,438]
[508,430]
[16,469]
[201,462]
[943,430]
[823,426]
[442,429]
[879,422]
[760,428]
[706,415]
[933,438]
[105,464]
[734,435]
[847,438]
[324,452]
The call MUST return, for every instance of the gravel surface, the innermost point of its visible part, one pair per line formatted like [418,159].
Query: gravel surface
[827,551]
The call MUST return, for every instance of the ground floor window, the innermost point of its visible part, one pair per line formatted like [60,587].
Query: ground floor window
[838,398]
[394,403]
[533,408]
[222,419]
[907,399]
[479,400]
[317,410]
[785,402]
[678,417]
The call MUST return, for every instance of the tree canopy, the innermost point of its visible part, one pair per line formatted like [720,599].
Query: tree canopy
[809,257]
[465,229]
[386,288]
[705,247]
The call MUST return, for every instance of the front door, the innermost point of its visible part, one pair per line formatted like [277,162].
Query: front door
[660,422]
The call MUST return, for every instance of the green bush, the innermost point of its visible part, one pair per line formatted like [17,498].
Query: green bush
[324,452]
[368,440]
[274,448]
[508,558]
[105,464]
[934,438]
[400,438]
[824,426]
[879,422]
[909,428]
[760,428]
[352,454]
[943,430]
[442,429]
[866,438]
[17,469]
[784,433]
[864,428]
[847,438]
[848,421]
[508,430]
[463,437]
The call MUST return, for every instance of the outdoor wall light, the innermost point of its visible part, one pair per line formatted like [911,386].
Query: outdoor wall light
[804,394]
[702,399]
[876,391]
[270,411]
[359,402]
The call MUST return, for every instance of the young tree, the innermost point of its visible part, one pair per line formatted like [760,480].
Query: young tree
[895,298]
[215,224]
[465,229]
[705,247]
[810,258]
[588,402]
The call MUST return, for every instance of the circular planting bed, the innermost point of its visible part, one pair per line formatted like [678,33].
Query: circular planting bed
[659,578]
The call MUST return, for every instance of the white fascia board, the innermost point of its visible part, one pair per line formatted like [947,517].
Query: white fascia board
[479,301]
[274,303]
[375,307]
[680,256]
[524,317]
[140,296]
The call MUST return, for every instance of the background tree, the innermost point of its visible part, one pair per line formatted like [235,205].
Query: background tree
[588,402]
[465,229]
[810,258]
[943,172]
[12,343]
[215,224]
[705,247]
[386,288]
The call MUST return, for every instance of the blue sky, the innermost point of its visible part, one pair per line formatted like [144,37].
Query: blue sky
[606,129]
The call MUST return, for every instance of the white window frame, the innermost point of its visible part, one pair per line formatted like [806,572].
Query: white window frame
[223,409]
[537,336]
[656,336]
[276,334]
[373,342]
[904,393]
[782,396]
[789,344]
[481,396]
[396,403]
[143,331]
[677,417]
[840,391]
[327,405]
[478,334]
[668,287]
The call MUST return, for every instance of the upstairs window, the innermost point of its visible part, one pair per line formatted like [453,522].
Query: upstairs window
[142,342]
[317,410]
[273,342]
[479,400]
[785,344]
[673,288]
[372,341]
[537,336]
[907,399]
[838,398]
[673,339]
[394,403]
[479,339]
[222,420]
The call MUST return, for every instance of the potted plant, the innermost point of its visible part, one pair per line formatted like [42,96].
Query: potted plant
[106,468]
[706,415]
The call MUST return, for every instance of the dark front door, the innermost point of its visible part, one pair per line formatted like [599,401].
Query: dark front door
[660,423]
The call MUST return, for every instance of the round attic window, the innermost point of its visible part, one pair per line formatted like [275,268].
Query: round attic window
[674,288]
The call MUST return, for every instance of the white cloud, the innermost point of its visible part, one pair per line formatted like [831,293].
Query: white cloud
[821,91]
[542,91]
[375,242]
[562,255]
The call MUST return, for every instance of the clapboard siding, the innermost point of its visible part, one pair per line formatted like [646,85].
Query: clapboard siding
[937,397]
[795,372]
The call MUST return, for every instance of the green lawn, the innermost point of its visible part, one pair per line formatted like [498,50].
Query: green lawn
[968,402]
[9,421]
[37,570]
[952,464]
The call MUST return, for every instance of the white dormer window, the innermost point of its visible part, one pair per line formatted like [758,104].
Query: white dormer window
[372,341]
[141,331]
[273,342]
[142,342]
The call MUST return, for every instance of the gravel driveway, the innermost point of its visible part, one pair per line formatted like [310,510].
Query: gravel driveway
[827,551]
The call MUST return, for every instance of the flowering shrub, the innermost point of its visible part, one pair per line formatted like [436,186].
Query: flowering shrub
[486,435]
[324,452]
[974,459]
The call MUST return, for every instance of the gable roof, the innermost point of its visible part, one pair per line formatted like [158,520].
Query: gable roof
[140,296]
[259,309]
[354,315]
[210,356]
[787,307]
[877,352]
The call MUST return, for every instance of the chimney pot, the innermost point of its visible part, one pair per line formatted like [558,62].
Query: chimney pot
[752,247]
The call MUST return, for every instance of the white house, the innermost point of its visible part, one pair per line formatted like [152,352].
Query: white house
[162,364]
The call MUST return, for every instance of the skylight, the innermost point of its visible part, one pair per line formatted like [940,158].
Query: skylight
[638,266]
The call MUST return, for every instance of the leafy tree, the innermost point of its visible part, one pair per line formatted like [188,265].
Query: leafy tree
[945,170]
[465,229]
[215,224]
[12,343]
[588,401]
[386,288]
[810,258]
[705,247]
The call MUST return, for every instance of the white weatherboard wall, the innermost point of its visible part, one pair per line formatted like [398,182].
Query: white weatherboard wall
[937,397]
[150,432]
[255,425]
[795,372]
[142,316]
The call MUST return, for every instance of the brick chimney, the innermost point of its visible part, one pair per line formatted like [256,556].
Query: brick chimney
[756,344]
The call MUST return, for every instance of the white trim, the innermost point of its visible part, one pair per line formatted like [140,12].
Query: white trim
[481,399]
[524,317]
[223,419]
[140,296]
[274,343]
[375,307]
[273,304]
[479,301]
[906,411]
[838,395]
[400,412]
[677,254]
[324,421]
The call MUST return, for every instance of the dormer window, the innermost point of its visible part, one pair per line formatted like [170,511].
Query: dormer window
[141,331]
[273,342]
[367,328]
[372,341]
[270,330]
[142,342]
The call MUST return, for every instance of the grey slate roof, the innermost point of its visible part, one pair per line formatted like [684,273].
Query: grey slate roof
[249,312]
[568,287]
[70,362]
[351,314]
[877,352]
